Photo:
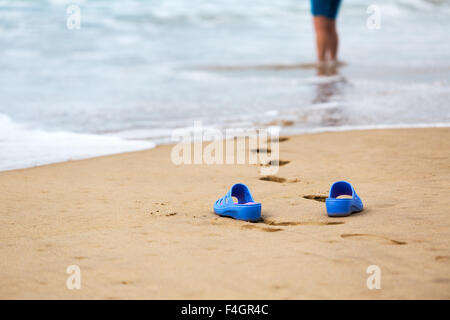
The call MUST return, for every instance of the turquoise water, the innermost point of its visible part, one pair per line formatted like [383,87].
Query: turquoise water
[136,70]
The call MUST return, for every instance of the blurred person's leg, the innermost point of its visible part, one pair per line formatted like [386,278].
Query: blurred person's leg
[324,37]
[333,41]
[327,41]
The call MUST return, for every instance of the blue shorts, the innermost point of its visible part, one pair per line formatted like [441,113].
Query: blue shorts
[326,8]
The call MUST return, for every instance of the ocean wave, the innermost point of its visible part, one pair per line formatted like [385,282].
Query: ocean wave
[22,146]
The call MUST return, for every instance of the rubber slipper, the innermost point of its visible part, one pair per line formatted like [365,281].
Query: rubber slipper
[245,209]
[342,207]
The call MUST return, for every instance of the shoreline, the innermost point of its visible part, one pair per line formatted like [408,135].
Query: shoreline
[289,133]
[134,237]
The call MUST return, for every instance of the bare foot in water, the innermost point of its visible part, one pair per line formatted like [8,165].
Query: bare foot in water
[329,68]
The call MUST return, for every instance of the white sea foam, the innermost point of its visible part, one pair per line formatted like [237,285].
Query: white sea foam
[366,127]
[22,147]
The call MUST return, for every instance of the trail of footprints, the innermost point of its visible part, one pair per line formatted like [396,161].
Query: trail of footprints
[365,236]
[274,226]
[319,198]
[277,162]
[281,163]
[359,236]
[302,223]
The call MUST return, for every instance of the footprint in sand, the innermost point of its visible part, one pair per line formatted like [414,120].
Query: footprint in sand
[442,258]
[302,223]
[277,163]
[279,140]
[273,179]
[364,236]
[265,229]
[441,280]
[319,198]
[262,150]
[80,258]
[279,179]
[172,214]
[157,213]
[248,226]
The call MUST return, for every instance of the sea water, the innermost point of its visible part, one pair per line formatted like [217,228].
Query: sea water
[136,70]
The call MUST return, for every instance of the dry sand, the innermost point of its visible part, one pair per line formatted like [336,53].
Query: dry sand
[140,227]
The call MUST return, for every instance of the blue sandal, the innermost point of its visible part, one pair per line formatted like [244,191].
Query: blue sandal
[342,207]
[245,209]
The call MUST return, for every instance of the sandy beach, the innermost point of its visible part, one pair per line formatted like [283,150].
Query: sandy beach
[139,226]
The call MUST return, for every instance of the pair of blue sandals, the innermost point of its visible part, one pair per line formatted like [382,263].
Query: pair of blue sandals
[247,209]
